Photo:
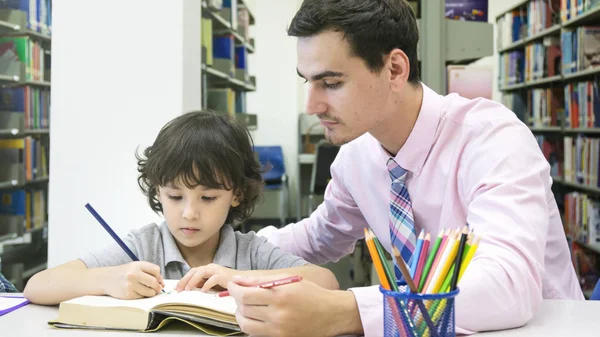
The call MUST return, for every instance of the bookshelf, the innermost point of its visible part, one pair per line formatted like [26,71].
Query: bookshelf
[226,44]
[548,82]
[25,45]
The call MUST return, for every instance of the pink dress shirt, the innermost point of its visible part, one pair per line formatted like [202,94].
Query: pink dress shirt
[469,161]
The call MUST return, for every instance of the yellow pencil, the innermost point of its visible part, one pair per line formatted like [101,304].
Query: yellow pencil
[468,258]
[439,271]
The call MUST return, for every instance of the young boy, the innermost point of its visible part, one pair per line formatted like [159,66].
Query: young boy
[201,174]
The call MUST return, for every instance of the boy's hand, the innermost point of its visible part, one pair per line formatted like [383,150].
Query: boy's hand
[134,280]
[206,277]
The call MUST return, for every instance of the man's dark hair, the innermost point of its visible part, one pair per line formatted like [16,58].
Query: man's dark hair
[203,148]
[373,28]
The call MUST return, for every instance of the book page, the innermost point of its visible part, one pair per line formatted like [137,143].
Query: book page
[194,297]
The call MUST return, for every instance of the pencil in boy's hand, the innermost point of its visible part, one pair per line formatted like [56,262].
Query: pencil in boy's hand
[112,233]
[269,284]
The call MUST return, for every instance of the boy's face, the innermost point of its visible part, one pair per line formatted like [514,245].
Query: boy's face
[195,216]
[347,97]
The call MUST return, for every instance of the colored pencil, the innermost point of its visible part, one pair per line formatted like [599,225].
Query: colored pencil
[430,259]
[386,267]
[444,264]
[438,256]
[413,288]
[414,261]
[422,258]
[468,258]
[376,262]
[268,285]
[459,257]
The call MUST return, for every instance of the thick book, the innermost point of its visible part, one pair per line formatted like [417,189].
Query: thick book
[205,311]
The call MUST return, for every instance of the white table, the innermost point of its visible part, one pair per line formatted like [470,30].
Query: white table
[32,321]
[558,318]
[554,319]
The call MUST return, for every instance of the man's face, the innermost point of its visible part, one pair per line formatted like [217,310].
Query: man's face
[346,96]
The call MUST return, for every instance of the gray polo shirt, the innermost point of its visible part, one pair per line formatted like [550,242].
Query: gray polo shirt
[155,244]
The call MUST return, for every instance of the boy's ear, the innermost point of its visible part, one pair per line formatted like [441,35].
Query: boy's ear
[236,201]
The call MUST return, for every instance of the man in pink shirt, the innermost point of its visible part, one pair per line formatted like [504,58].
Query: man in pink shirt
[467,161]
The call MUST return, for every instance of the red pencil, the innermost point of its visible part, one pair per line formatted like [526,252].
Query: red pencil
[422,258]
[269,284]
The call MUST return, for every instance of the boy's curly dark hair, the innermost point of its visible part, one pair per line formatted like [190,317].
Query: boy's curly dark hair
[203,148]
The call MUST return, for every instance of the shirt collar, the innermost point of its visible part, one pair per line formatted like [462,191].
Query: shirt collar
[227,249]
[415,150]
[224,256]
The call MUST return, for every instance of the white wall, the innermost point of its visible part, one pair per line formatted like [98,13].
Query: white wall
[274,64]
[117,77]
[496,7]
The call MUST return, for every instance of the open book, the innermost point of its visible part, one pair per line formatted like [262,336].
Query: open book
[204,311]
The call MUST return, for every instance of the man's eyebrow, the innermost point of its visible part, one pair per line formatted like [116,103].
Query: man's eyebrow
[320,76]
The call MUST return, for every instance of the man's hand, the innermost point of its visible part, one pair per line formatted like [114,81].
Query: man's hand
[296,309]
[134,280]
[206,277]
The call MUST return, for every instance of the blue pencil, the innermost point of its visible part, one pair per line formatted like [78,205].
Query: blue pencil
[112,233]
[415,258]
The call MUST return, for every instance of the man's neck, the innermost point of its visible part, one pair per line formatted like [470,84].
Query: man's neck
[200,255]
[395,129]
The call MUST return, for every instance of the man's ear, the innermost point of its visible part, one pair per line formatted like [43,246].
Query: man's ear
[398,66]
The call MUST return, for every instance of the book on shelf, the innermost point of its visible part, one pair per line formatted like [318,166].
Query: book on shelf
[581,158]
[204,311]
[542,59]
[222,100]
[552,150]
[582,218]
[38,13]
[582,104]
[511,68]
[28,205]
[512,27]
[30,53]
[580,48]
[224,54]
[542,14]
[30,102]
[570,9]
[23,158]
[516,104]
[207,40]
[544,107]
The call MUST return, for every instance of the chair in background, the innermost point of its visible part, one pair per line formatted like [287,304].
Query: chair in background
[325,153]
[271,158]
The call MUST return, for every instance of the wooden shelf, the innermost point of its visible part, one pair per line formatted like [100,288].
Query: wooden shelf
[590,16]
[542,129]
[582,73]
[580,187]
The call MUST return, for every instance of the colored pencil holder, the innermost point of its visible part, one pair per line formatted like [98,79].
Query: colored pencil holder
[418,315]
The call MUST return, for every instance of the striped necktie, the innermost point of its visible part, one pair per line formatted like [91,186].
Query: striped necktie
[402,225]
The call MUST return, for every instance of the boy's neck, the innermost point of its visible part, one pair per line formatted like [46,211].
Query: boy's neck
[200,255]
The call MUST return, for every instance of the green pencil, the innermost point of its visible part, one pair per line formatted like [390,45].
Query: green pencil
[430,259]
[386,267]
[446,285]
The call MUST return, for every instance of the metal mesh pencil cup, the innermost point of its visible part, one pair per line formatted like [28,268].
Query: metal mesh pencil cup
[406,314]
